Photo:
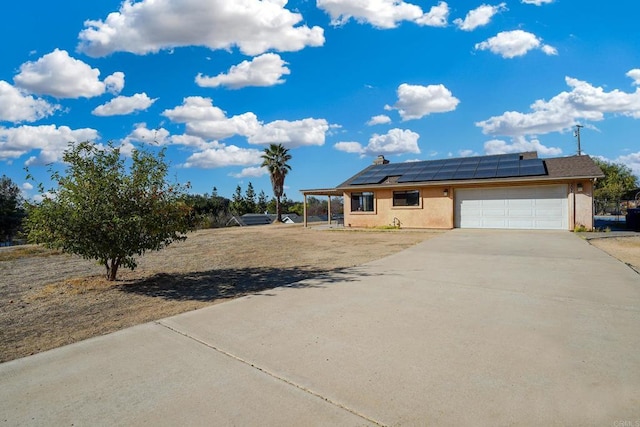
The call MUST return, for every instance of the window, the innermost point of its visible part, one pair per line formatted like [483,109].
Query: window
[362,202]
[406,198]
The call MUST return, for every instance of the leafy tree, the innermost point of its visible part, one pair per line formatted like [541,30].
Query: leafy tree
[250,199]
[100,211]
[275,159]
[11,209]
[618,179]
[262,204]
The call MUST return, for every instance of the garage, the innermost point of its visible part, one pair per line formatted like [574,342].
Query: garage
[542,207]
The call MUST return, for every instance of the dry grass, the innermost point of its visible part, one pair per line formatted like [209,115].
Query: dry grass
[50,299]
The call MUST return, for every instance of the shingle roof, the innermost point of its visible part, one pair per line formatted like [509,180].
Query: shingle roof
[573,167]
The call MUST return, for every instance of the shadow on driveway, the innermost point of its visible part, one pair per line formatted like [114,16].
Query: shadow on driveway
[230,283]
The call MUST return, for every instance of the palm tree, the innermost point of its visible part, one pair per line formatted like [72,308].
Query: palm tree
[275,159]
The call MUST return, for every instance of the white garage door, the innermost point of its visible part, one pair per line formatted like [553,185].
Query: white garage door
[541,207]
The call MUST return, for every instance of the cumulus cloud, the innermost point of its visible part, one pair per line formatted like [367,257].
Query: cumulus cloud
[632,161]
[251,172]
[479,16]
[349,147]
[292,133]
[396,141]
[510,44]
[114,83]
[415,101]
[379,13]
[383,14]
[635,75]
[141,133]
[537,2]
[49,140]
[148,26]
[563,111]
[379,120]
[436,17]
[16,106]
[518,145]
[230,155]
[59,75]
[123,105]
[264,70]
[205,120]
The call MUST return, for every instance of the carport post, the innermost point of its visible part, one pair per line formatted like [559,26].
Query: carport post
[304,210]
[329,210]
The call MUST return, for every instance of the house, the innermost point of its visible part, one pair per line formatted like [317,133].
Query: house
[519,191]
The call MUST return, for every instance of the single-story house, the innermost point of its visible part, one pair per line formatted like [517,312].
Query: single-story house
[519,191]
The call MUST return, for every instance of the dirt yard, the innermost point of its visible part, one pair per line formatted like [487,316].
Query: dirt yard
[49,299]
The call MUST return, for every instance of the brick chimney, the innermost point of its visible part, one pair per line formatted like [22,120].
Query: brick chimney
[380,160]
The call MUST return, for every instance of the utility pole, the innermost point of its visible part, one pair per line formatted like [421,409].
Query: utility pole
[576,133]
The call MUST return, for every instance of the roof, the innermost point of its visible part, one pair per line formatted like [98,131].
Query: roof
[494,168]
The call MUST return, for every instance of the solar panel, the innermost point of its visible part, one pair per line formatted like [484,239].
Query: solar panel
[485,173]
[493,166]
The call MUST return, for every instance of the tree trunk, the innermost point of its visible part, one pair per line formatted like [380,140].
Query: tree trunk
[278,210]
[112,269]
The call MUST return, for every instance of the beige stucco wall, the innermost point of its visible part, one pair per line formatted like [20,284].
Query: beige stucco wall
[583,204]
[437,210]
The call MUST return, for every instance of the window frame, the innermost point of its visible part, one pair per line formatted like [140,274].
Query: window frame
[359,195]
[406,193]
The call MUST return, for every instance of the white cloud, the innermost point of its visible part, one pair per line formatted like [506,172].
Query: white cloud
[467,153]
[436,17]
[519,145]
[379,13]
[51,141]
[115,83]
[563,111]
[224,156]
[59,75]
[349,147]
[145,135]
[415,101]
[537,2]
[147,26]
[396,141]
[292,133]
[27,186]
[635,75]
[632,161]
[123,105]
[479,16]
[16,106]
[264,70]
[204,119]
[510,44]
[251,172]
[379,120]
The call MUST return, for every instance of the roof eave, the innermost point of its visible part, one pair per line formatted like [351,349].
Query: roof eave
[469,182]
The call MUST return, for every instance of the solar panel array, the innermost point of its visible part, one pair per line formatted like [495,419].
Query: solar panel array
[484,167]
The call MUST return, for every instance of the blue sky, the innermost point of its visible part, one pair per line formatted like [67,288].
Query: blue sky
[337,81]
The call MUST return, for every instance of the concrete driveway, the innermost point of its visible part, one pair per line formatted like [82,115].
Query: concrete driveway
[469,328]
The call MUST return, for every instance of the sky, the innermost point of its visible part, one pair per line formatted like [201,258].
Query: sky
[338,82]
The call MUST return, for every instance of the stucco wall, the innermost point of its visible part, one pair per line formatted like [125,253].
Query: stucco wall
[583,204]
[435,211]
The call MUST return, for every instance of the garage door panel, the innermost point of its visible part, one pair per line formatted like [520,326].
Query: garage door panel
[540,207]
